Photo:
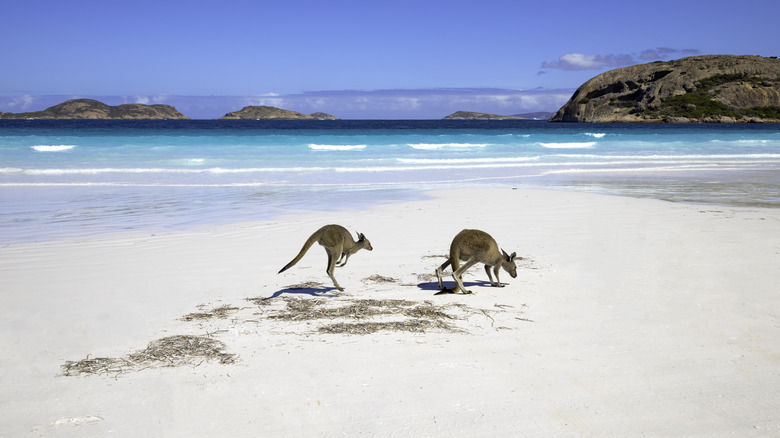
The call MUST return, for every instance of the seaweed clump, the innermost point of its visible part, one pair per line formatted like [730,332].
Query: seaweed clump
[173,351]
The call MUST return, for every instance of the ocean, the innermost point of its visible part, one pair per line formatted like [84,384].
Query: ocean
[73,178]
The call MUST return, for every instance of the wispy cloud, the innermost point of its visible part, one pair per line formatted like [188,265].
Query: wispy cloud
[425,103]
[147,100]
[20,103]
[385,104]
[661,53]
[582,61]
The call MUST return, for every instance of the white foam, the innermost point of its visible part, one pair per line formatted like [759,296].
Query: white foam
[596,134]
[336,147]
[432,146]
[52,148]
[573,145]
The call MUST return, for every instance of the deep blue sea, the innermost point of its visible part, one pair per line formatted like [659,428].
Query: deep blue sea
[74,178]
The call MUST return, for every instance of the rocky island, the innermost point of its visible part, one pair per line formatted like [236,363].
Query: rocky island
[469,115]
[272,113]
[705,89]
[93,109]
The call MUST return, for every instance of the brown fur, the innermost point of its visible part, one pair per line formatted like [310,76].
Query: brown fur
[472,247]
[338,244]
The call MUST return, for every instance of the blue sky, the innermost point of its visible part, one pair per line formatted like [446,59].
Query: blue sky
[353,59]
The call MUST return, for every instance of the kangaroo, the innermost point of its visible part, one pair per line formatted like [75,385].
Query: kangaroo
[338,243]
[472,247]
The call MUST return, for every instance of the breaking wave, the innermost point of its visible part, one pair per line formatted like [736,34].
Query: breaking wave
[52,148]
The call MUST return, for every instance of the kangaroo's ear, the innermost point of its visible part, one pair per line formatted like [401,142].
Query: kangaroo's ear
[361,237]
[512,257]
[506,256]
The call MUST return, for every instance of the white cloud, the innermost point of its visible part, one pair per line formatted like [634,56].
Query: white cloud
[264,100]
[160,98]
[660,53]
[582,61]
[20,103]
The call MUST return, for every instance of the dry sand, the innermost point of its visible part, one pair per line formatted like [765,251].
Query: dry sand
[628,317]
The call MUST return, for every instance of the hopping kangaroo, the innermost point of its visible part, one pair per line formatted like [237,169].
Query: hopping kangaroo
[338,244]
[472,247]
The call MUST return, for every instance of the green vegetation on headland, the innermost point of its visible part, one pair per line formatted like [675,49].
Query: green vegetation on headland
[701,103]
[710,88]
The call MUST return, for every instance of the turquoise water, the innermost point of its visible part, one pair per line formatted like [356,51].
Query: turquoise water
[66,178]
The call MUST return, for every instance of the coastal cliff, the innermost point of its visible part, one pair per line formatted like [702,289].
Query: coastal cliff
[708,89]
[469,115]
[93,109]
[272,113]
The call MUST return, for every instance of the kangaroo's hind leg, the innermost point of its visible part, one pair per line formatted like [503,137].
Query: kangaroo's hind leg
[458,275]
[332,253]
[440,271]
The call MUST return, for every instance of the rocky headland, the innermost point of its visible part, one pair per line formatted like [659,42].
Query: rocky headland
[469,115]
[272,113]
[93,109]
[703,89]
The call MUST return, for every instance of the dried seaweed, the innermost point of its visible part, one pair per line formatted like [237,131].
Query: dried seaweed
[415,316]
[261,301]
[426,277]
[308,309]
[376,278]
[364,328]
[172,351]
[304,285]
[218,312]
[181,350]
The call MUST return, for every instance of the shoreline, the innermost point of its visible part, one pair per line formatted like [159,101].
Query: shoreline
[627,316]
[81,212]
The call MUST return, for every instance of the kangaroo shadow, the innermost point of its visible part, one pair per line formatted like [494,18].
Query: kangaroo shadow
[434,286]
[324,291]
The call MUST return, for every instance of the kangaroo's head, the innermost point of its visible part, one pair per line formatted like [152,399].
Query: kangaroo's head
[508,263]
[363,242]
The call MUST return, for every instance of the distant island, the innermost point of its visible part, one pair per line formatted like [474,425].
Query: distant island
[93,109]
[272,113]
[469,115]
[698,89]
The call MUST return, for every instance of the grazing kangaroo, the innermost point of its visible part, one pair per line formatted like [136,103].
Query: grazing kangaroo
[472,247]
[338,244]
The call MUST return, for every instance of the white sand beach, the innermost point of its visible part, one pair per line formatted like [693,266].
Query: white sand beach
[628,317]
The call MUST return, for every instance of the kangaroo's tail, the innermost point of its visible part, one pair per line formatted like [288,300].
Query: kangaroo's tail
[314,238]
